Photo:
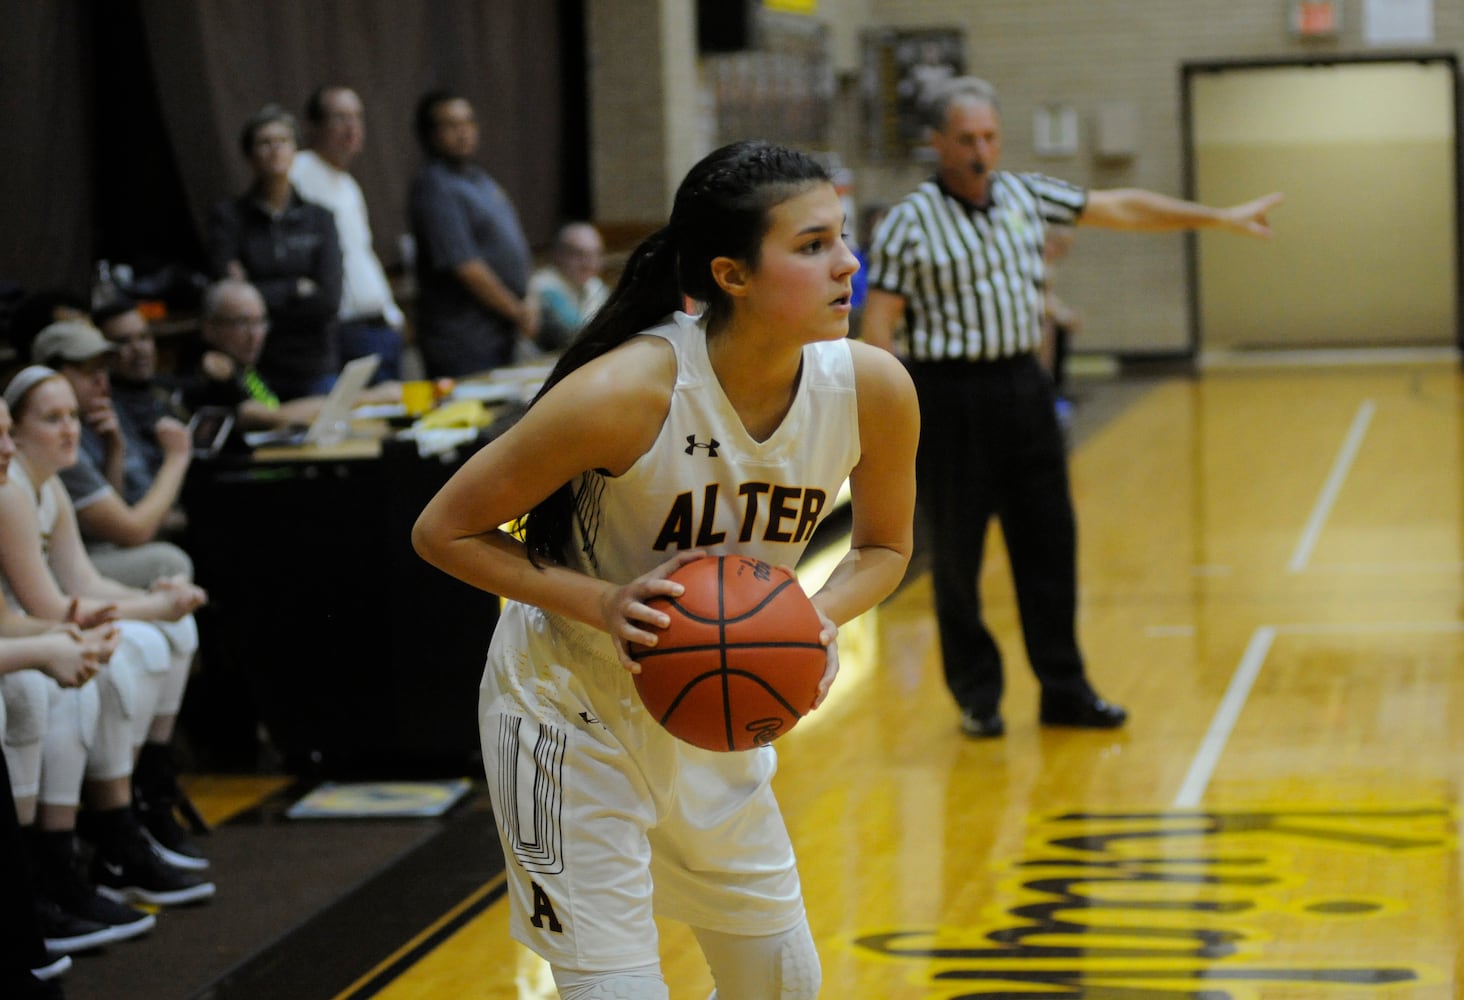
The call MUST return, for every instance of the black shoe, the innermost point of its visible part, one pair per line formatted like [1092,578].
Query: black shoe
[158,800]
[1081,711]
[63,884]
[66,933]
[170,840]
[123,922]
[981,726]
[52,969]
[126,869]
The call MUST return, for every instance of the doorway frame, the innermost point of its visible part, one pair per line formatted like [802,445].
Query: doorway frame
[1189,70]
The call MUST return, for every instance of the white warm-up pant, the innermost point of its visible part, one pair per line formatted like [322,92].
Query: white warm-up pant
[24,696]
[182,638]
[56,738]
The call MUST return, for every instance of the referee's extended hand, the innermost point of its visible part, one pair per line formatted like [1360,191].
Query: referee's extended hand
[1250,219]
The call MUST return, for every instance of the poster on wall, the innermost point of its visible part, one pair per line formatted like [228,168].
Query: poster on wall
[901,67]
[781,90]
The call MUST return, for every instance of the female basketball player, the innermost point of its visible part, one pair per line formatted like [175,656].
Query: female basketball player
[661,436]
[46,569]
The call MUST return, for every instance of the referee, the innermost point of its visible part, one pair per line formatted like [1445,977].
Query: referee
[958,264]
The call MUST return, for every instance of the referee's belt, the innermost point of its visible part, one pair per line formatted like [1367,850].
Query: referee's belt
[374,319]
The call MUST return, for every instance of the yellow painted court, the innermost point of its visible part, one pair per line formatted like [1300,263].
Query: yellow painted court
[1271,569]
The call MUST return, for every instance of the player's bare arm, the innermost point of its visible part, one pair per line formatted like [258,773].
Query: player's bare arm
[882,486]
[604,415]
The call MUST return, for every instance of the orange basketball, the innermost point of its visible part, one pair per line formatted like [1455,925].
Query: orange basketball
[740,663]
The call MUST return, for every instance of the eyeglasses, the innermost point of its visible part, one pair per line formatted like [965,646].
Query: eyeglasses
[241,322]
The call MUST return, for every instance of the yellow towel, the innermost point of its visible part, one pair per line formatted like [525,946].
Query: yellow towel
[458,413]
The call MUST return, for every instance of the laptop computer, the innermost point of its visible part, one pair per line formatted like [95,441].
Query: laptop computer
[332,424]
[209,429]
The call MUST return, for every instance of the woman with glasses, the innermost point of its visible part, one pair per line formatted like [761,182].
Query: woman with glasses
[288,249]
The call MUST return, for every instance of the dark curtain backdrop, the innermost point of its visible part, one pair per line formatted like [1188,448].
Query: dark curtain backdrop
[213,64]
[45,144]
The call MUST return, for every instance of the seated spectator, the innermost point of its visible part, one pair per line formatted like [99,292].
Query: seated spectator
[143,855]
[236,327]
[42,664]
[68,739]
[569,289]
[289,250]
[123,537]
[140,400]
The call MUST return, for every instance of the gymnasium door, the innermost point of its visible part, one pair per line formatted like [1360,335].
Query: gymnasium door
[1367,247]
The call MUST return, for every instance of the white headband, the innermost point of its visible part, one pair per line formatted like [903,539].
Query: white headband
[24,381]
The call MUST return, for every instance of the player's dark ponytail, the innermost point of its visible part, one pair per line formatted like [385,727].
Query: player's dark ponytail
[721,210]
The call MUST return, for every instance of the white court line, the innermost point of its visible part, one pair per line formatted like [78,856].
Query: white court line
[1202,768]
[1333,486]
[1213,745]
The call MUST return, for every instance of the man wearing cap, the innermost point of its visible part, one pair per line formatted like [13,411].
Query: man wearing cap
[122,538]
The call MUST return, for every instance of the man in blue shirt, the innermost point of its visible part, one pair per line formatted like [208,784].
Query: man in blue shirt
[473,259]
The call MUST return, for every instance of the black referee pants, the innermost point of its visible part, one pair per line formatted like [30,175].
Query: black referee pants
[991,446]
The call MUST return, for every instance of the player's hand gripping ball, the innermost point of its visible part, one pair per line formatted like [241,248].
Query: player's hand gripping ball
[740,663]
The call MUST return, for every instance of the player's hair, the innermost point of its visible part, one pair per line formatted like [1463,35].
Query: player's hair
[947,93]
[22,386]
[315,103]
[721,209]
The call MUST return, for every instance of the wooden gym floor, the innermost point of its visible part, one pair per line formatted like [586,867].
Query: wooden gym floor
[1271,567]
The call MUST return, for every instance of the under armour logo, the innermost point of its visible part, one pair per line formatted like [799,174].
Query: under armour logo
[711,445]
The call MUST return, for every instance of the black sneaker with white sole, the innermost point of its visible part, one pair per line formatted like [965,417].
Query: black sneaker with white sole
[143,877]
[62,882]
[126,869]
[124,921]
[67,933]
[52,969]
[179,851]
[158,800]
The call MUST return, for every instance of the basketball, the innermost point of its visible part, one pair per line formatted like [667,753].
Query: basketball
[740,663]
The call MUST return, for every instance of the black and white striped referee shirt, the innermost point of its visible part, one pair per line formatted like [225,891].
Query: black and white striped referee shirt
[972,278]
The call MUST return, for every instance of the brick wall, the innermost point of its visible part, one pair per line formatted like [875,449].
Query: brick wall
[1131,288]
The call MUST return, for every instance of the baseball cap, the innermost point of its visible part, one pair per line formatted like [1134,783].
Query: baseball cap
[70,340]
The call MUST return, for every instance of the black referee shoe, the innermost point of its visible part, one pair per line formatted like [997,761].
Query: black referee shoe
[1081,712]
[982,725]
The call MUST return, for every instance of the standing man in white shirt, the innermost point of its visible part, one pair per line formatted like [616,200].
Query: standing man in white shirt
[370,320]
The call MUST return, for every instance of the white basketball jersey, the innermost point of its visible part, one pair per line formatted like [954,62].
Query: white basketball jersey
[707,484]
[599,807]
